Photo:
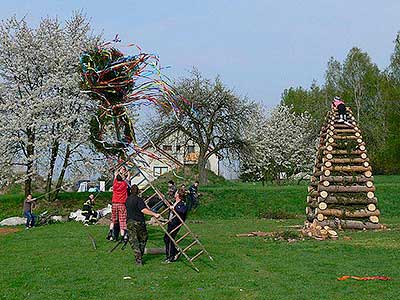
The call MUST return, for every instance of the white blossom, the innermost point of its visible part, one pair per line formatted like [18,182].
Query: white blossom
[280,142]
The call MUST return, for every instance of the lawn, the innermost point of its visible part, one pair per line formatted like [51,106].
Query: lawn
[59,262]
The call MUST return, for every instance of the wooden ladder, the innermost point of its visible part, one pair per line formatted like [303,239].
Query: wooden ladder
[187,240]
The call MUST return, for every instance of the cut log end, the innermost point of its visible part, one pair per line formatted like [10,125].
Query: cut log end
[323,194]
[374,219]
[369,184]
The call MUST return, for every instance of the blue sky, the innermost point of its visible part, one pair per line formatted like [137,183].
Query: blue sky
[258,48]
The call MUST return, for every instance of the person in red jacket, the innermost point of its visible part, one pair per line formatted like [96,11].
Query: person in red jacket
[118,211]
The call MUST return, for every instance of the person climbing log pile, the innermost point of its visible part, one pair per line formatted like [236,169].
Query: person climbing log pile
[341,193]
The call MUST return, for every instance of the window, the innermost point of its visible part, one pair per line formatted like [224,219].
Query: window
[158,171]
[190,149]
[178,148]
[167,147]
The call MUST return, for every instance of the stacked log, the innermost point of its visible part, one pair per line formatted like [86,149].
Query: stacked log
[341,193]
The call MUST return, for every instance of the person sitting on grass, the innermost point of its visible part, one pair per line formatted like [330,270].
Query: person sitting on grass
[29,205]
[173,223]
[88,212]
[136,226]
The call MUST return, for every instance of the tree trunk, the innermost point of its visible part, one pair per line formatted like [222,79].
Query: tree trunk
[202,161]
[54,153]
[30,151]
[62,173]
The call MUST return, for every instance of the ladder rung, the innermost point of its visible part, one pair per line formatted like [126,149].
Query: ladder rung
[197,255]
[190,246]
[165,210]
[176,228]
[148,198]
[182,237]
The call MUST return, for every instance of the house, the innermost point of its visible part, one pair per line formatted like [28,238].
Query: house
[174,150]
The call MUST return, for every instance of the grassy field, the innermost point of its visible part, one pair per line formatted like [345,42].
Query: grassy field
[59,262]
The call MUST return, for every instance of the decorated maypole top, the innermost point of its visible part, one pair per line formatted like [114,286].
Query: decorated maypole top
[118,82]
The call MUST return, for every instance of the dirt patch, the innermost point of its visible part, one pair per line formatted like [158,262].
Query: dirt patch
[5,231]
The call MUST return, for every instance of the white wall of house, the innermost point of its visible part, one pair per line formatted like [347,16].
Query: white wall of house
[182,149]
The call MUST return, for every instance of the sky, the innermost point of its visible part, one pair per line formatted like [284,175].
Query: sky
[258,48]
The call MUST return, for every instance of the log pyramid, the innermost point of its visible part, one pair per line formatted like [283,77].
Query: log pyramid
[341,191]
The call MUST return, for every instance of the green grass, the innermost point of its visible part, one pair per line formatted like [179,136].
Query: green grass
[58,261]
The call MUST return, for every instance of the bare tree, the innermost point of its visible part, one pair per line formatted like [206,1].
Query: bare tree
[214,118]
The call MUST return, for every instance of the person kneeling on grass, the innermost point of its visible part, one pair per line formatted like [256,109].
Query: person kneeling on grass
[174,223]
[136,226]
[29,204]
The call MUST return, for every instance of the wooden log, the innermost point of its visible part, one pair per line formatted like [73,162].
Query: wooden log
[348,160]
[325,183]
[347,179]
[345,200]
[374,219]
[311,199]
[368,173]
[323,194]
[322,205]
[328,148]
[340,213]
[330,140]
[345,137]
[369,183]
[346,130]
[329,156]
[346,189]
[344,152]
[371,207]
[351,224]
[370,195]
[349,169]
[313,204]
[341,125]
[154,251]
[324,173]
[320,217]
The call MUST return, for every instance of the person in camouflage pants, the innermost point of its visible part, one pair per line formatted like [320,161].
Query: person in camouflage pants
[138,236]
[136,226]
